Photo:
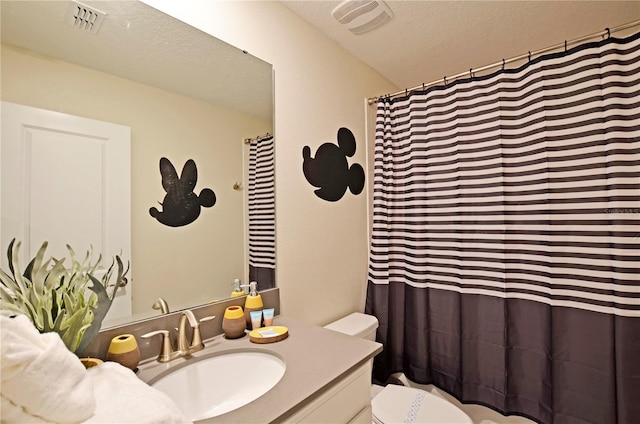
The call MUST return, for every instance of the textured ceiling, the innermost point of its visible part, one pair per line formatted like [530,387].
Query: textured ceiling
[139,43]
[427,40]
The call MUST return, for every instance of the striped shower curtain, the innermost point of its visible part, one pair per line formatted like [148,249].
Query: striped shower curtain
[261,203]
[505,254]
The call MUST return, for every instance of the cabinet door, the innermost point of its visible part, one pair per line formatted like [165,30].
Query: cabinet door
[364,417]
[66,180]
[349,400]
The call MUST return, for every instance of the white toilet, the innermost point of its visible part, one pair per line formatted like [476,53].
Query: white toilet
[399,404]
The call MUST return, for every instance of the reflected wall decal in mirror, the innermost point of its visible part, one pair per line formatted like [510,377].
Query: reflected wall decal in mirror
[176,84]
[330,170]
[181,205]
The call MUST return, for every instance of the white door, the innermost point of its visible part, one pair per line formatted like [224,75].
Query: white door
[66,180]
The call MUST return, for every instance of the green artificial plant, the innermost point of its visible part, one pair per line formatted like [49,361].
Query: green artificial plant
[67,300]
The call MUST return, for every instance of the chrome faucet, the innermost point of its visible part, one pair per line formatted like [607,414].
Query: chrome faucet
[184,348]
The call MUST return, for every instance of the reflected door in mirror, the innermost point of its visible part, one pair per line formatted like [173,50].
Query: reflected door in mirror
[65,180]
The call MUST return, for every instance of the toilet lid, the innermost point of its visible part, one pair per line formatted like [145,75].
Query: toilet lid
[401,404]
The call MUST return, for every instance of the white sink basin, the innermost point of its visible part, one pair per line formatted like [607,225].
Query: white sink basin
[218,384]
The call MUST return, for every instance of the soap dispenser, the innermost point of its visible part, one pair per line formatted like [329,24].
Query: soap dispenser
[237,289]
[252,303]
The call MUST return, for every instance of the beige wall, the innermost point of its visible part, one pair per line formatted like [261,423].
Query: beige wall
[322,247]
[164,260]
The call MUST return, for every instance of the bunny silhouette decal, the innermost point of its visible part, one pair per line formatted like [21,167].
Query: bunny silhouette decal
[181,206]
[330,170]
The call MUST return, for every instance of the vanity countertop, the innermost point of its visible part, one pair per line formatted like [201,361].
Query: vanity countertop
[315,358]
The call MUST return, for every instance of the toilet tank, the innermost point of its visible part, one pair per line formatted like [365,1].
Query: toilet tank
[357,324]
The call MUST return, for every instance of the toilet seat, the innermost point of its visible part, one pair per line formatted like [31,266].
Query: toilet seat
[401,404]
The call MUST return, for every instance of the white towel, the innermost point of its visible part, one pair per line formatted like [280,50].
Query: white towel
[123,398]
[41,380]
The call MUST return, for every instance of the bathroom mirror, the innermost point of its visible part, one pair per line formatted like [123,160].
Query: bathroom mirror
[185,95]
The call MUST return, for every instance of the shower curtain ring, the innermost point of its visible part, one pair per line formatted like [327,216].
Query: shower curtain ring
[529,56]
[503,63]
[608,32]
[565,46]
[445,80]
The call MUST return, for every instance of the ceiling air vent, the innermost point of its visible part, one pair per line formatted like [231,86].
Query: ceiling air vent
[361,16]
[84,17]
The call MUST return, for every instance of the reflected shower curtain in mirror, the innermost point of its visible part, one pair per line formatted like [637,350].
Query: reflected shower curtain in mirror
[505,254]
[261,201]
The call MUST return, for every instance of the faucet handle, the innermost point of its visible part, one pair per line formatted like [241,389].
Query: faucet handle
[196,340]
[209,318]
[166,352]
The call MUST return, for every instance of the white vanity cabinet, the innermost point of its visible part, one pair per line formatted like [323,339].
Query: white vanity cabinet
[327,377]
[347,401]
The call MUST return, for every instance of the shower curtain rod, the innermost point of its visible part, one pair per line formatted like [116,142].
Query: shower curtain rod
[471,71]
[258,138]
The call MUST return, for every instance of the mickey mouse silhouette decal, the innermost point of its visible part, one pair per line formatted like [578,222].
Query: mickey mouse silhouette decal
[181,206]
[330,170]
